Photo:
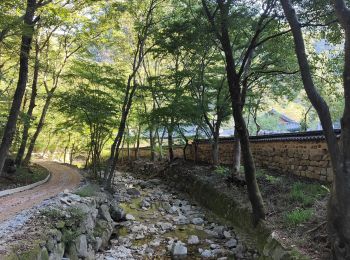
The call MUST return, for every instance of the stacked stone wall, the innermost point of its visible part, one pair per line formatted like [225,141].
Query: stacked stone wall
[307,158]
[303,157]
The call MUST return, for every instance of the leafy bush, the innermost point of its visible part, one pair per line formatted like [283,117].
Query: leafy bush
[298,216]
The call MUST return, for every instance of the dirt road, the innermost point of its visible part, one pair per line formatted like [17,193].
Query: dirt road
[62,177]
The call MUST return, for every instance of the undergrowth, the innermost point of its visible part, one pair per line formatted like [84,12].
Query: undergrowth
[298,216]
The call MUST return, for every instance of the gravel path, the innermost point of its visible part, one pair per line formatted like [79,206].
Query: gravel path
[62,177]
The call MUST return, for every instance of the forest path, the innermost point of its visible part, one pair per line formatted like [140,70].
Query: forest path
[62,177]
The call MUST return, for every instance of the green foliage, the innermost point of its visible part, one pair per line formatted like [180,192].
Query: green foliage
[222,170]
[298,216]
[68,236]
[87,191]
[306,194]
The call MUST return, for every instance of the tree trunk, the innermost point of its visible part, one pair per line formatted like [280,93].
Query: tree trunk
[233,80]
[137,149]
[128,142]
[38,129]
[31,107]
[151,141]
[65,149]
[71,154]
[26,42]
[215,149]
[339,203]
[236,154]
[170,144]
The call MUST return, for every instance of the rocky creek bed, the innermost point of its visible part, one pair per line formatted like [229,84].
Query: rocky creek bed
[161,223]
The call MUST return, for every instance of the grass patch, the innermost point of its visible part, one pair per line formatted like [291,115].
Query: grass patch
[31,174]
[222,170]
[23,176]
[88,190]
[306,194]
[298,216]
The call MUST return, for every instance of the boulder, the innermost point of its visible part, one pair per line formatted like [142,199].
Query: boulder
[197,221]
[129,217]
[178,249]
[207,254]
[231,243]
[81,246]
[116,212]
[193,240]
[133,192]
[104,213]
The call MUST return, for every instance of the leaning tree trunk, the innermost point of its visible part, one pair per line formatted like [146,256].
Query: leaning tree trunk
[339,203]
[27,36]
[236,154]
[38,129]
[233,80]
[137,149]
[215,149]
[31,107]
[170,145]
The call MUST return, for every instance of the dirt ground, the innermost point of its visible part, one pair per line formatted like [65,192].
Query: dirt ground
[62,177]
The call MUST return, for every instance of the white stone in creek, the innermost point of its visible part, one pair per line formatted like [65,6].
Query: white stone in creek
[231,243]
[193,240]
[129,217]
[181,220]
[227,234]
[214,246]
[179,249]
[206,254]
[197,221]
[156,242]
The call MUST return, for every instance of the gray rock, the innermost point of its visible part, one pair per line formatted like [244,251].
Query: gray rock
[116,212]
[197,221]
[181,220]
[98,244]
[156,242]
[58,252]
[104,213]
[173,210]
[81,246]
[145,204]
[227,234]
[193,240]
[214,246]
[206,254]
[231,243]
[178,249]
[165,226]
[133,192]
[129,217]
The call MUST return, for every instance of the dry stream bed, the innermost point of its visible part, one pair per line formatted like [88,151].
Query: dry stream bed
[164,224]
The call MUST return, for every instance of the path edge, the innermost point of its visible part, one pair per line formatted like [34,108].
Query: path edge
[24,188]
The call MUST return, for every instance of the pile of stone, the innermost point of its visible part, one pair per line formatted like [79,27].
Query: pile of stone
[82,226]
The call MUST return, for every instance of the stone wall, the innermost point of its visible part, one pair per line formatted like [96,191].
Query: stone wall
[302,154]
[145,152]
[302,157]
